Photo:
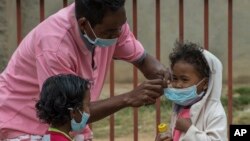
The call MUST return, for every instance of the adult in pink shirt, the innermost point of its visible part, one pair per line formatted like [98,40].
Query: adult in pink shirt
[81,39]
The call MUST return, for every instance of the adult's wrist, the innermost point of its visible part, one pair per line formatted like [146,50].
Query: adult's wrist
[127,100]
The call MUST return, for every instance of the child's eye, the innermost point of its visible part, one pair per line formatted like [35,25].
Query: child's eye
[174,78]
[185,80]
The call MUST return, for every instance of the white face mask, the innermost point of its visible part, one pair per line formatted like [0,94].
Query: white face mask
[99,41]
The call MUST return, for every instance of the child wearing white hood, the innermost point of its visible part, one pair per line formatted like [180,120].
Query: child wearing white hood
[195,91]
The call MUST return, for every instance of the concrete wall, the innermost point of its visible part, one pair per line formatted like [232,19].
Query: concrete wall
[193,25]
[3,33]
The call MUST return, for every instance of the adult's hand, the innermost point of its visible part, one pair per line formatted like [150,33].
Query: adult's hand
[146,93]
[153,69]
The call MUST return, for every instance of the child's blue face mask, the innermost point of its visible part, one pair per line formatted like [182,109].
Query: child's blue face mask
[184,97]
[99,41]
[78,127]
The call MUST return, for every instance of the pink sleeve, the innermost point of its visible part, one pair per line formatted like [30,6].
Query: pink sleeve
[128,48]
[52,63]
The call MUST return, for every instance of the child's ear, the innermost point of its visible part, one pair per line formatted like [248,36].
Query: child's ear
[72,113]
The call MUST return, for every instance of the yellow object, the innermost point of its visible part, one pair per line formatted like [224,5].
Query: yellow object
[163,127]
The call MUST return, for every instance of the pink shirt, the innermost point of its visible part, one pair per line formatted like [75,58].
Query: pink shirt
[53,47]
[184,113]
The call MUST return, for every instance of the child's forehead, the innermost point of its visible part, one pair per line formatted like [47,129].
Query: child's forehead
[184,68]
[183,63]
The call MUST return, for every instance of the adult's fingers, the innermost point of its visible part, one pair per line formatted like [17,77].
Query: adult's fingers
[154,93]
[148,100]
[167,78]
[156,88]
[154,81]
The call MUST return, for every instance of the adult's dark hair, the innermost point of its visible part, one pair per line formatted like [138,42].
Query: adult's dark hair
[95,10]
[59,93]
[192,54]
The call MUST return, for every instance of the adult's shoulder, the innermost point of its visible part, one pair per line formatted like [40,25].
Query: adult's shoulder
[57,30]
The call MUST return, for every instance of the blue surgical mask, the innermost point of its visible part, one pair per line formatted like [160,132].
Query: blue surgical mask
[99,41]
[78,127]
[184,97]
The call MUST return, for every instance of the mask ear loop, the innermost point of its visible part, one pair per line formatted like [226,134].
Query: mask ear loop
[206,84]
[200,82]
[80,112]
[92,30]
[71,109]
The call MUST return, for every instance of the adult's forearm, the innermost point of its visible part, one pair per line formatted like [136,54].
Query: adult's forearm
[144,94]
[103,108]
[151,67]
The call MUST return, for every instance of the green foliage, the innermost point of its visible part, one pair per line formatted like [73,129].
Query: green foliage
[242,117]
[224,101]
[124,120]
[241,105]
[243,90]
[241,98]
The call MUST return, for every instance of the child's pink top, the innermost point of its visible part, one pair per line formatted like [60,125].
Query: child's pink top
[184,113]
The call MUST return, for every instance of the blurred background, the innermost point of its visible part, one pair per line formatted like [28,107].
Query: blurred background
[146,33]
